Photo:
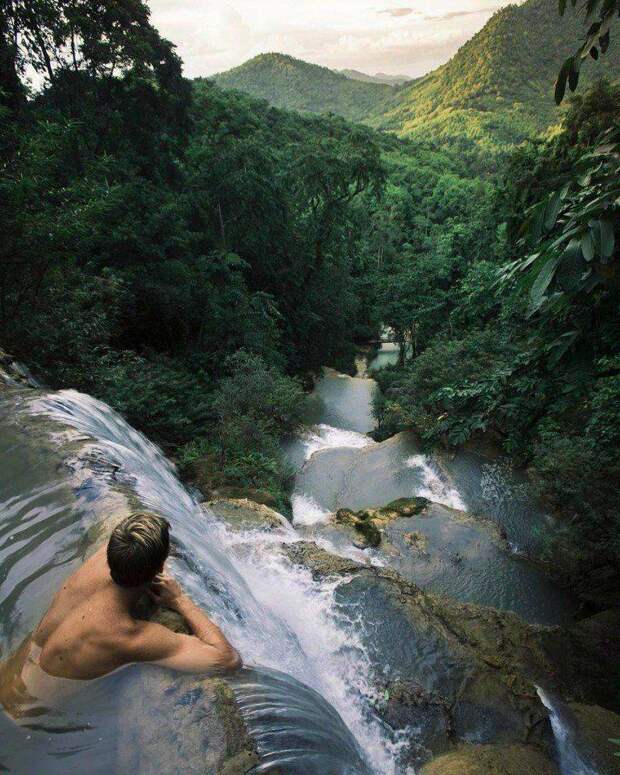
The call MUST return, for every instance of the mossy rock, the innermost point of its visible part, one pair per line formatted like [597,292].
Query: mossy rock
[245,514]
[594,728]
[181,723]
[362,522]
[404,507]
[492,760]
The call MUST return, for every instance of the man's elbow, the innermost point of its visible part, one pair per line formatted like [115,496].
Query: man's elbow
[231,661]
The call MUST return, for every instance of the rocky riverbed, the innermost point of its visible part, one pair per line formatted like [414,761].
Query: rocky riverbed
[460,676]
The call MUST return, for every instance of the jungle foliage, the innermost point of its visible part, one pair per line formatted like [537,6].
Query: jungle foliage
[517,336]
[194,256]
[152,228]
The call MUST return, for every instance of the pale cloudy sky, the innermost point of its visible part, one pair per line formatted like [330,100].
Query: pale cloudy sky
[409,37]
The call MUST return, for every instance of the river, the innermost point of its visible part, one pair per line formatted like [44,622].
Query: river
[340,466]
[69,467]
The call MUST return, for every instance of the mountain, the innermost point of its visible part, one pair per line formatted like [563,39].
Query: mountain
[498,88]
[495,91]
[391,80]
[290,83]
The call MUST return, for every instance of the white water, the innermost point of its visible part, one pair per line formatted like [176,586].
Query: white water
[324,436]
[306,511]
[274,612]
[434,486]
[571,763]
[336,662]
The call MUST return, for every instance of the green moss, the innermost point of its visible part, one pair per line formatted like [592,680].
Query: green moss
[405,507]
[362,522]
[369,530]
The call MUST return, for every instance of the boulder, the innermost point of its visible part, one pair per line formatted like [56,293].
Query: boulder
[469,668]
[492,760]
[243,514]
[463,673]
[180,722]
[13,373]
[362,523]
[368,523]
[584,660]
[408,705]
[594,728]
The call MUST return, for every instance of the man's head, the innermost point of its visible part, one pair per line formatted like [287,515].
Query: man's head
[137,549]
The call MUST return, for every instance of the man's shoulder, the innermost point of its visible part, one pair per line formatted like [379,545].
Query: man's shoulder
[146,641]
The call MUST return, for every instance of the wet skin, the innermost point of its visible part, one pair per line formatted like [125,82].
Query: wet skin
[88,632]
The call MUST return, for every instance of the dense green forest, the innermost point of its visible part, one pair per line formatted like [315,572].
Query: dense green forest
[513,324]
[194,256]
[290,83]
[152,230]
[494,93]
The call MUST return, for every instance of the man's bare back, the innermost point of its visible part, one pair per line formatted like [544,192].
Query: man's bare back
[89,631]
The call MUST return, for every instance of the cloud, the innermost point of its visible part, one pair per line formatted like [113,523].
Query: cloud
[412,38]
[442,17]
[396,12]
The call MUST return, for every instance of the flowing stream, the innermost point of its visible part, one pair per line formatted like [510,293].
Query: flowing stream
[314,714]
[70,465]
[340,466]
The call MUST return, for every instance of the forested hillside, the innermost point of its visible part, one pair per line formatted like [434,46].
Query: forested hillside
[290,83]
[494,93]
[498,89]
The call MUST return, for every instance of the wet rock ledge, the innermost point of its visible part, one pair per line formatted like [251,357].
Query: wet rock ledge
[463,676]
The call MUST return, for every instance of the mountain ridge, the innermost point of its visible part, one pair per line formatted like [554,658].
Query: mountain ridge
[391,80]
[492,94]
[499,83]
[291,83]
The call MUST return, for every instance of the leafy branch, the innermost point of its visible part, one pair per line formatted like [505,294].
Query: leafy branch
[595,43]
[574,229]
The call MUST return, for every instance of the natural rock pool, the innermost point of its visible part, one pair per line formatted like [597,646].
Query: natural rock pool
[476,556]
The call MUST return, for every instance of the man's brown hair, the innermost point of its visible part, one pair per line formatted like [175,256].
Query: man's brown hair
[137,549]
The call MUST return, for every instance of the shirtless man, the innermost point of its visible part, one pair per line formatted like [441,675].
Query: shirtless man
[89,630]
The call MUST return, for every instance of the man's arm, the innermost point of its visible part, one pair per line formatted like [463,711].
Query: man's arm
[207,650]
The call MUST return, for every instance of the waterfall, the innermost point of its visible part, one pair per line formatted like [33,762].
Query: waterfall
[434,485]
[571,763]
[315,714]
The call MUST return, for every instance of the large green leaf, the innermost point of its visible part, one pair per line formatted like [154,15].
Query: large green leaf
[542,282]
[560,86]
[608,240]
[587,246]
[554,205]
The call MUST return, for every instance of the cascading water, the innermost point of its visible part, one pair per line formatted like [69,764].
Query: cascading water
[571,761]
[276,614]
[310,697]
[434,486]
[342,467]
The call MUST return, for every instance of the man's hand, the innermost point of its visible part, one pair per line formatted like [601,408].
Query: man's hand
[166,591]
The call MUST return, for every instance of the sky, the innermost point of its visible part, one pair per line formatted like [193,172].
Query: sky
[410,37]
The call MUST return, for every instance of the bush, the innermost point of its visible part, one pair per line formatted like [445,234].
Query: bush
[155,394]
[252,409]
